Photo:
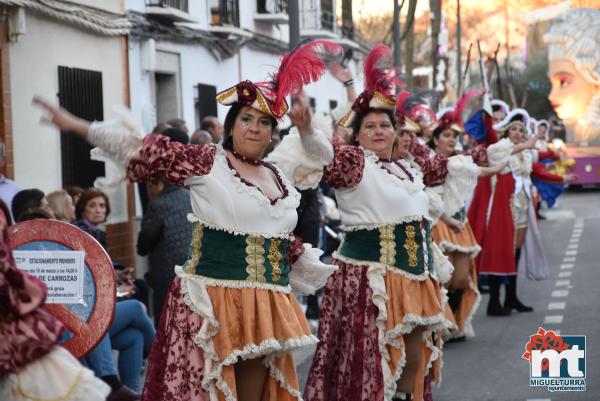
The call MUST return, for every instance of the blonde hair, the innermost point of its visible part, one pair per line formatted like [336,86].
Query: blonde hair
[58,202]
[576,37]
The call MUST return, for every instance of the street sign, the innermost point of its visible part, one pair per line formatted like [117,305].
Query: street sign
[46,244]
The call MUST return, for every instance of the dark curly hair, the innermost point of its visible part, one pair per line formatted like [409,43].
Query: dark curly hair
[360,117]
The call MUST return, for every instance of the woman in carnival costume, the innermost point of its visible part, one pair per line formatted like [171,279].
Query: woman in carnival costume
[384,300]
[451,176]
[420,107]
[230,321]
[501,211]
[406,140]
[32,366]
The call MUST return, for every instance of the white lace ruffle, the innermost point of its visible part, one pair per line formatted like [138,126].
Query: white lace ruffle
[436,204]
[277,210]
[393,270]
[302,159]
[500,152]
[375,226]
[436,352]
[118,140]
[460,183]
[317,146]
[417,184]
[57,376]
[376,278]
[468,324]
[215,282]
[195,296]
[411,187]
[192,218]
[308,272]
[441,265]
[447,246]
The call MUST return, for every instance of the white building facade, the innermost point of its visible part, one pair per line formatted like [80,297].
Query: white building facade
[206,46]
[161,58]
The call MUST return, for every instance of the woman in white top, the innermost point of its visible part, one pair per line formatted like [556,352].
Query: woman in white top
[384,299]
[230,320]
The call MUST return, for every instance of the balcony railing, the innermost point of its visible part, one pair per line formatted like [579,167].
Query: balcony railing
[272,11]
[181,5]
[226,13]
[314,19]
[271,6]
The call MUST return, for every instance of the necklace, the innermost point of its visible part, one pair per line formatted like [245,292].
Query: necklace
[246,159]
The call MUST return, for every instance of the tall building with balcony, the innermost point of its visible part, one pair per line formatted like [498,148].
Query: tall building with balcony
[181,53]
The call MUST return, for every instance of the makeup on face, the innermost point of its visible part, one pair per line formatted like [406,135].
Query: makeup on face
[446,141]
[571,93]
[251,133]
[377,134]
[516,133]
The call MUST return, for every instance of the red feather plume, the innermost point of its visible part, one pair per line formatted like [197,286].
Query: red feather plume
[456,114]
[378,70]
[400,100]
[300,67]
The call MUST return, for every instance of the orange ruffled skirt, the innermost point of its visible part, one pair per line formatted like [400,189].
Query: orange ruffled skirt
[464,242]
[450,241]
[364,315]
[190,360]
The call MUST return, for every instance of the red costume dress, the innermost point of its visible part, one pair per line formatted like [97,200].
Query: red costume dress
[32,366]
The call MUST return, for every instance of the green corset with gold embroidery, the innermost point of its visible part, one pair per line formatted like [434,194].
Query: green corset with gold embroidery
[406,246]
[224,256]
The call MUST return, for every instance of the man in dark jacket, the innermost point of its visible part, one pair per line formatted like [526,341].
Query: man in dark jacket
[165,236]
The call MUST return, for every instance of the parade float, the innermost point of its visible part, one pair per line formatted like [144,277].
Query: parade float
[574,70]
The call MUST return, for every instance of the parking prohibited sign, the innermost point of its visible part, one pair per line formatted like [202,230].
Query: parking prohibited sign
[79,275]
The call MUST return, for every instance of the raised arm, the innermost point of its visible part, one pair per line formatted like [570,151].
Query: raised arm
[528,144]
[144,158]
[344,75]
[346,169]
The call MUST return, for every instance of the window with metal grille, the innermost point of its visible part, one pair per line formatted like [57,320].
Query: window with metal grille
[327,15]
[271,6]
[181,5]
[79,92]
[224,12]
[347,24]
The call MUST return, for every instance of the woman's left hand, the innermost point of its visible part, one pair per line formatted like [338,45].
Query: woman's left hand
[300,115]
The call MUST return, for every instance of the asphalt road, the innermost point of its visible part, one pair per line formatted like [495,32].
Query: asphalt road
[489,366]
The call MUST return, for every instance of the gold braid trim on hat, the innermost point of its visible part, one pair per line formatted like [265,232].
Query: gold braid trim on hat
[224,95]
[344,120]
[384,99]
[262,103]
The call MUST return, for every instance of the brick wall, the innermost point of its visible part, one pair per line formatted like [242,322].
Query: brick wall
[121,241]
[5,101]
